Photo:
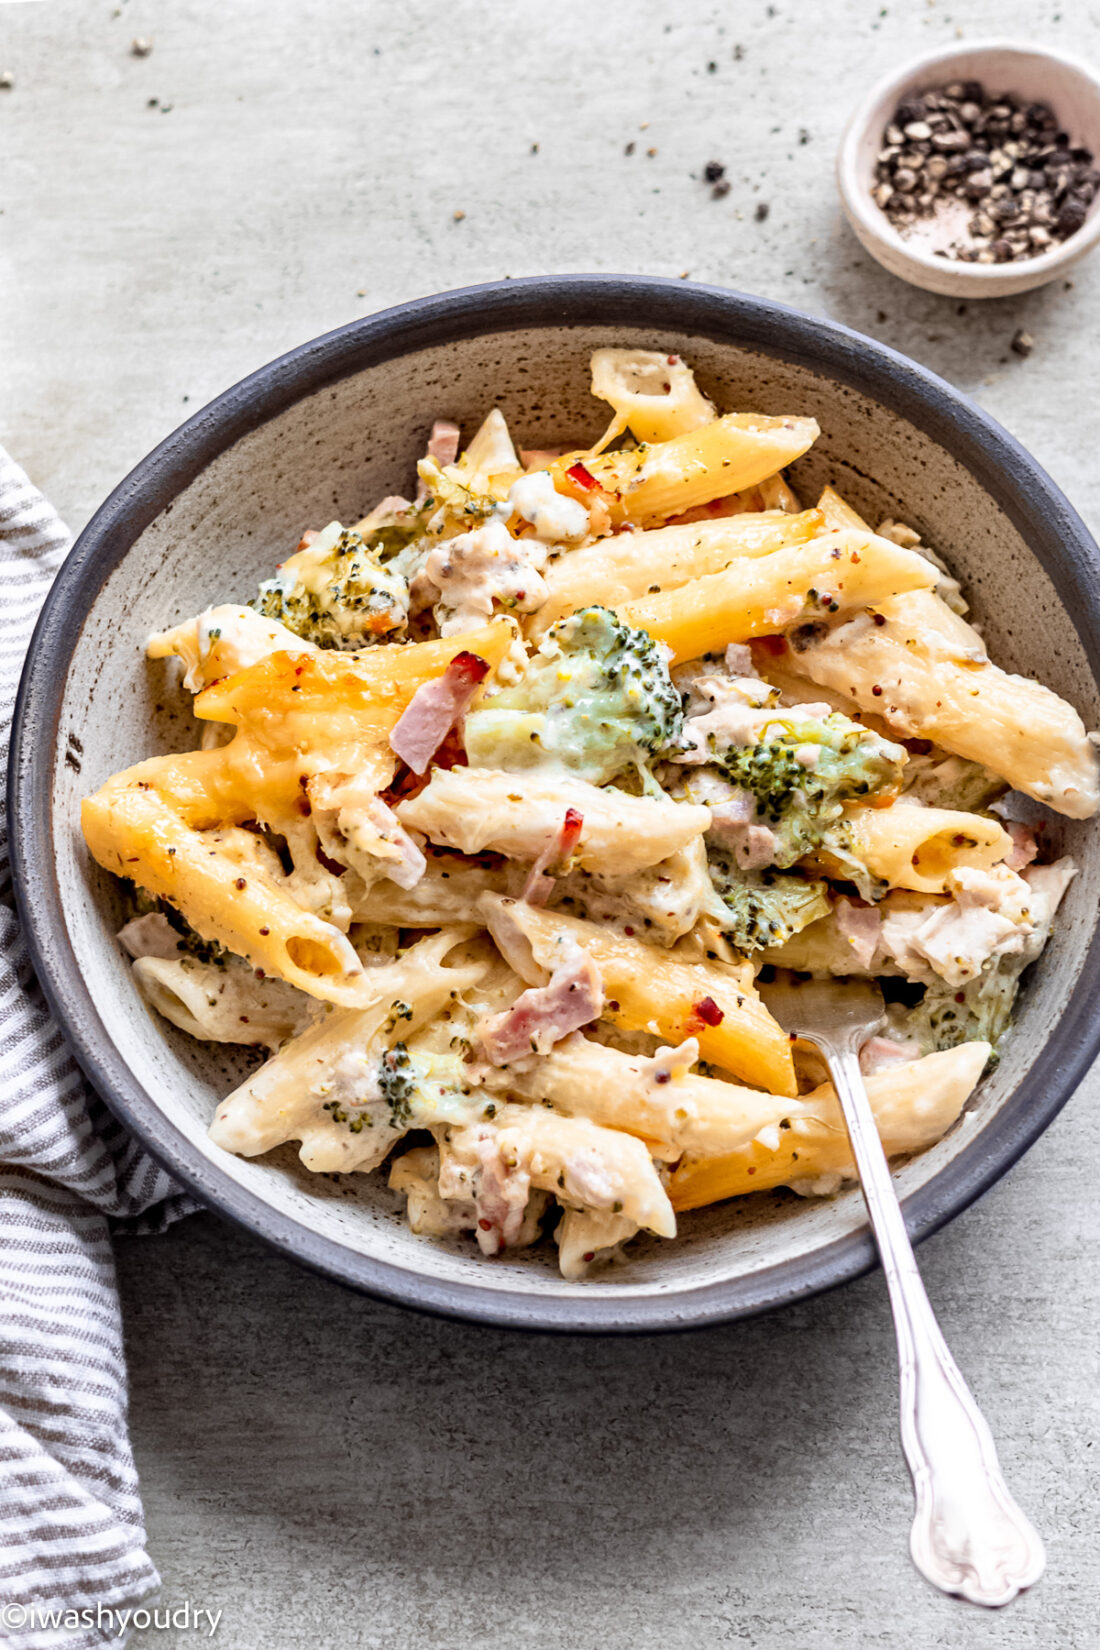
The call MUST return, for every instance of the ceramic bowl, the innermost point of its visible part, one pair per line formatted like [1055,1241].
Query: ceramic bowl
[325,431]
[1044,76]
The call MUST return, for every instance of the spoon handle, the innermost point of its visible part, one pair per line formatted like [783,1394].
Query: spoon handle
[969,1537]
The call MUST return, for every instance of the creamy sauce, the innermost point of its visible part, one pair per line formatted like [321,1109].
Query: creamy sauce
[555,518]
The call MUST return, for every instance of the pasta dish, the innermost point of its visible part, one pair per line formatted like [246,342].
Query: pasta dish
[510,799]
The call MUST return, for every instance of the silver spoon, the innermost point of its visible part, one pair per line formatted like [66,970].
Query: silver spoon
[969,1537]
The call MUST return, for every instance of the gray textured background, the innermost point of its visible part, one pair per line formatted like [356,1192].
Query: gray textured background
[333,1473]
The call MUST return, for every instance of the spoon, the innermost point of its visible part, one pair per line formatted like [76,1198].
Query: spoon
[968,1537]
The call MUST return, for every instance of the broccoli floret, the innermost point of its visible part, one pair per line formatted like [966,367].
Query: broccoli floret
[765,907]
[803,772]
[336,592]
[596,700]
[407,1089]
[981,1011]
[397,1080]
[452,506]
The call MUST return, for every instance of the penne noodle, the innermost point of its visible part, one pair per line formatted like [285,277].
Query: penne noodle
[926,672]
[655,991]
[914,1105]
[912,847]
[521,814]
[631,565]
[329,1063]
[673,1110]
[759,596]
[646,485]
[236,901]
[654,394]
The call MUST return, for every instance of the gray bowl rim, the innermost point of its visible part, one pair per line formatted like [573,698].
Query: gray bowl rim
[1037,508]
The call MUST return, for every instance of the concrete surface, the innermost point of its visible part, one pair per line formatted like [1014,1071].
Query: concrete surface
[334,1473]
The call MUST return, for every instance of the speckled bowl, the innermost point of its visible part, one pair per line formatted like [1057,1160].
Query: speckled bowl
[323,432]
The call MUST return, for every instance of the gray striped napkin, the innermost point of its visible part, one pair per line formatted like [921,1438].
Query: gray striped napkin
[72,1532]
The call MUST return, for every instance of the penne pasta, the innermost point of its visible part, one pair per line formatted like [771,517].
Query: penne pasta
[926,672]
[653,394]
[223,888]
[914,1105]
[759,596]
[648,990]
[646,485]
[661,1100]
[918,848]
[222,1004]
[628,566]
[326,1081]
[521,814]
[221,641]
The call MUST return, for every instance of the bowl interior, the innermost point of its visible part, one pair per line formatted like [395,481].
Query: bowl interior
[1071,89]
[333,454]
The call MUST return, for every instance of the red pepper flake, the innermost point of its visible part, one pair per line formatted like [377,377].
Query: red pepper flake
[879,618]
[629,931]
[468,668]
[672,360]
[750,1171]
[612,1005]
[486,1225]
[877,691]
[960,996]
[582,477]
[571,831]
[240,883]
[707,1010]
[265,931]
[589,1255]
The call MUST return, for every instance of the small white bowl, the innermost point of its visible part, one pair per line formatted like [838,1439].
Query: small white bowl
[1039,75]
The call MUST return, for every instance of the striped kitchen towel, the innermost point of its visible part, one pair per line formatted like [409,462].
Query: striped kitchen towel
[72,1533]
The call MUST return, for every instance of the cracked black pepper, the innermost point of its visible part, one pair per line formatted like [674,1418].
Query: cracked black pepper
[1003,159]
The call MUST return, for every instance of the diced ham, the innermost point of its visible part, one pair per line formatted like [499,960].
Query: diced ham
[738,659]
[435,708]
[500,1197]
[739,809]
[443,442]
[752,846]
[394,504]
[879,1052]
[556,854]
[861,926]
[543,1015]
[150,936]
[1024,845]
